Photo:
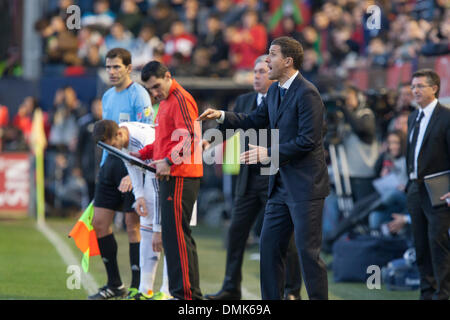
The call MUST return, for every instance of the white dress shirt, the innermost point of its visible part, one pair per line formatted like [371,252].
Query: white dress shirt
[428,112]
[285,85]
[259,98]
[288,83]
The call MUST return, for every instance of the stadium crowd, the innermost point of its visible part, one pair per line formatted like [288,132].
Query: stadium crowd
[222,39]
[217,38]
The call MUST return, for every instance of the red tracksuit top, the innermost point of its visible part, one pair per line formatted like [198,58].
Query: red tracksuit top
[178,111]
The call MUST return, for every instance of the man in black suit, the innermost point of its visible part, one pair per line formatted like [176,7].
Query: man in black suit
[300,185]
[428,152]
[249,203]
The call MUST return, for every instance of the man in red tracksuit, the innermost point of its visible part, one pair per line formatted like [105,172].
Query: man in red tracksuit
[177,156]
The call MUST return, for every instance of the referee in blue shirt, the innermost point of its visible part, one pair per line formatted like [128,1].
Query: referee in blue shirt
[125,101]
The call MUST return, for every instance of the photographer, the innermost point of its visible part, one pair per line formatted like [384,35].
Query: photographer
[358,138]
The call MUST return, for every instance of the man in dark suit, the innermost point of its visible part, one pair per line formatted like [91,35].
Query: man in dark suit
[300,185]
[428,152]
[249,203]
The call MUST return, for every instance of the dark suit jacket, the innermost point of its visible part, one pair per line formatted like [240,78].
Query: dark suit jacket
[299,118]
[434,154]
[246,103]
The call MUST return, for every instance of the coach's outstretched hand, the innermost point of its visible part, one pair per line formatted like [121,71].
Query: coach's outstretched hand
[209,114]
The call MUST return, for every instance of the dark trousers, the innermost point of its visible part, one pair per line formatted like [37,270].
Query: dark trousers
[430,228]
[281,219]
[246,210]
[177,198]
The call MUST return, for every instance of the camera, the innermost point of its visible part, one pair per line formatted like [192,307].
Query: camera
[333,102]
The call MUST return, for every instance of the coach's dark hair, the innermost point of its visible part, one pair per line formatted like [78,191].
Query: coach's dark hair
[153,69]
[121,53]
[290,48]
[104,130]
[432,78]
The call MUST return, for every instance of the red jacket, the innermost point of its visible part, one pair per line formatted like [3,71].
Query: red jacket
[177,134]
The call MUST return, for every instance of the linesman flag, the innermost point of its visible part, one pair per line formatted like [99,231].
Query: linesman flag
[85,238]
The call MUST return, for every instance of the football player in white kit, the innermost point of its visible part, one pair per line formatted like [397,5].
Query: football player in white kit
[131,137]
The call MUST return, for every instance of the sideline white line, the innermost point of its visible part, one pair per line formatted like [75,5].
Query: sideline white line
[87,281]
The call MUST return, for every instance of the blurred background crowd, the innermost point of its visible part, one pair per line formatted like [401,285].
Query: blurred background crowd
[221,39]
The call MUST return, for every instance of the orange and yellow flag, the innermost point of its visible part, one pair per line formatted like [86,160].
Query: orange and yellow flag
[85,238]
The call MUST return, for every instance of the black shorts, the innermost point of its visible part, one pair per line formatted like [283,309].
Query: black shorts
[106,193]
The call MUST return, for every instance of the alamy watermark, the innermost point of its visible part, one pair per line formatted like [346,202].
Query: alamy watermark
[374,280]
[74,279]
[188,149]
[374,20]
[73,21]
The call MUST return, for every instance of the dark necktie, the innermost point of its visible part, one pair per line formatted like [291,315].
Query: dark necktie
[412,149]
[262,101]
[282,92]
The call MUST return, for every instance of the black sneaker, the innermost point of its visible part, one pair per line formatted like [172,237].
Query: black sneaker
[107,292]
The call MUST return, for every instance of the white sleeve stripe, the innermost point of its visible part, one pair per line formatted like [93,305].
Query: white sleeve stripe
[157,214]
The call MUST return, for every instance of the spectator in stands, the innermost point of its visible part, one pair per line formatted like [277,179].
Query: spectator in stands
[405,100]
[64,186]
[201,63]
[179,66]
[249,42]
[359,140]
[322,24]
[214,42]
[162,17]
[68,110]
[88,155]
[341,45]
[24,117]
[4,116]
[437,40]
[378,55]
[290,28]
[401,122]
[4,120]
[12,139]
[93,58]
[228,13]
[88,37]
[101,19]
[412,41]
[23,120]
[310,66]
[61,9]
[191,18]
[119,37]
[391,166]
[179,40]
[144,46]
[61,45]
[130,16]
[403,106]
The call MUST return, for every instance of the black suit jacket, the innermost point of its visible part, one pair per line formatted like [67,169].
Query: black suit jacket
[434,154]
[246,103]
[299,117]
